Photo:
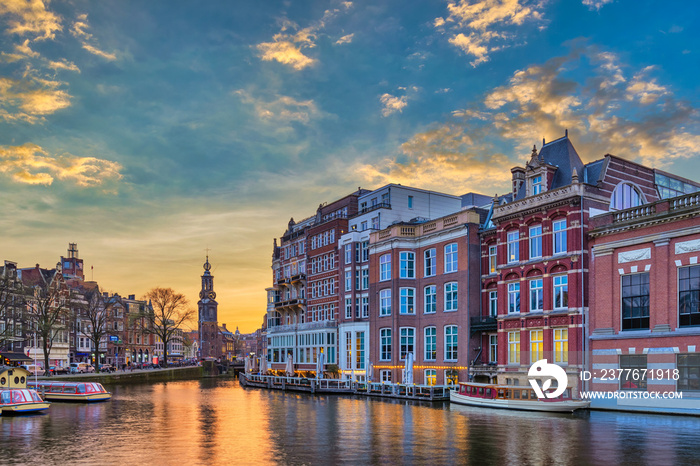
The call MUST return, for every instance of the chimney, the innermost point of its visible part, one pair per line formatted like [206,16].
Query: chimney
[132,297]
[518,179]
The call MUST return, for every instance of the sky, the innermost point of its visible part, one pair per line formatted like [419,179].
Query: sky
[149,132]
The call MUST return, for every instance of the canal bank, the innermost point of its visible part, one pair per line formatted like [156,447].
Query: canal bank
[141,375]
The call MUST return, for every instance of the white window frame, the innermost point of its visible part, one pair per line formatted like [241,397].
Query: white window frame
[536,242]
[407,301]
[536,353]
[430,343]
[493,303]
[430,299]
[385,344]
[451,297]
[559,233]
[407,264]
[384,267]
[385,302]
[536,294]
[514,347]
[451,258]
[513,239]
[451,343]
[560,285]
[561,345]
[430,262]
[513,297]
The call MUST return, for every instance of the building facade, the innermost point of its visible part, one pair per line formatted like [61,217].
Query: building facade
[208,325]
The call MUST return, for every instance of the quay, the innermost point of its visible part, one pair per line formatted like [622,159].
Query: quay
[336,386]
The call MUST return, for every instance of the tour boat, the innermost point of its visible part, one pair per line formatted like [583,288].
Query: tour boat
[15,397]
[512,397]
[71,391]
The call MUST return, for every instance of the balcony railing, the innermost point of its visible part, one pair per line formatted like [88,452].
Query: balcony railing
[381,205]
[302,327]
[483,324]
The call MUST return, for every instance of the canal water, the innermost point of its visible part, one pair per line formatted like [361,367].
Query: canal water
[212,422]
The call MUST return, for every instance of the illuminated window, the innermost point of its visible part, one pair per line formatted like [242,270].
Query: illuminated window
[430,377]
[536,345]
[493,348]
[407,265]
[514,347]
[407,301]
[492,259]
[561,345]
[360,350]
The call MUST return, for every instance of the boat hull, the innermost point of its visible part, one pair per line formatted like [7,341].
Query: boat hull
[77,397]
[558,406]
[24,408]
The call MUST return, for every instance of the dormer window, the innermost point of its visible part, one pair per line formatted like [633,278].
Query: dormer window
[537,186]
[626,196]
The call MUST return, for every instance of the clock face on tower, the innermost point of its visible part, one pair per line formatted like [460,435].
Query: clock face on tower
[201,294]
[212,295]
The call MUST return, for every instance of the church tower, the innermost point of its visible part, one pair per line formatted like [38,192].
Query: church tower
[209,341]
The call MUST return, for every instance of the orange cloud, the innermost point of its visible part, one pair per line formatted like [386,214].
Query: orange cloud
[30,17]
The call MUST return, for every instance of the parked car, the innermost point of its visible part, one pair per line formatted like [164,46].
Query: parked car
[34,369]
[79,368]
[57,370]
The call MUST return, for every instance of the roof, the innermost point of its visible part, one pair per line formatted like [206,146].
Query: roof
[561,154]
[593,171]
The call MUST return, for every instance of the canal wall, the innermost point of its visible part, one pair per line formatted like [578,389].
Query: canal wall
[139,376]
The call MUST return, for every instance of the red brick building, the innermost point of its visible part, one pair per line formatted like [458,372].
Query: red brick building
[645,311]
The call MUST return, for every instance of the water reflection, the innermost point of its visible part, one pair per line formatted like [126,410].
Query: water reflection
[217,422]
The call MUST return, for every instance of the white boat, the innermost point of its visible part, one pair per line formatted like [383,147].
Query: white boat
[512,397]
[71,391]
[15,397]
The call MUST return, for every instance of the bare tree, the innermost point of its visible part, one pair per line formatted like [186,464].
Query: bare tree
[50,306]
[92,310]
[168,312]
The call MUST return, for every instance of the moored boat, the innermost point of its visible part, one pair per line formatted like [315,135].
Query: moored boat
[71,391]
[512,397]
[15,397]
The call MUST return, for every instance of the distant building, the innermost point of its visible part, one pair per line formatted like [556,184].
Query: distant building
[209,335]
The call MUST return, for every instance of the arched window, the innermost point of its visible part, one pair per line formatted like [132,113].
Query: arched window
[626,196]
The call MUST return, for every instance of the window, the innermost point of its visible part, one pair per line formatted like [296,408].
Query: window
[407,301]
[493,348]
[363,226]
[635,301]
[536,242]
[689,296]
[385,344]
[536,296]
[625,196]
[385,302]
[450,296]
[410,202]
[429,263]
[375,223]
[357,280]
[430,376]
[430,301]
[407,265]
[689,372]
[559,227]
[365,251]
[430,334]
[492,259]
[365,279]
[365,306]
[348,308]
[493,303]
[537,185]
[513,247]
[348,280]
[385,267]
[536,345]
[385,376]
[348,349]
[632,379]
[513,298]
[451,258]
[451,376]
[360,350]
[514,347]
[451,343]
[407,341]
[561,291]
[561,345]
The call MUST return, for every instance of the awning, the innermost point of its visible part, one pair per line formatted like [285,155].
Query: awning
[14,357]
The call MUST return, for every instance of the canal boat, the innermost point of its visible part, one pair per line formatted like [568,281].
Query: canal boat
[71,391]
[15,397]
[512,397]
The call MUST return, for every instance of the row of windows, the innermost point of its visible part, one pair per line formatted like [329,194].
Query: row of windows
[687,376]
[407,340]
[536,301]
[407,300]
[561,346]
[291,270]
[323,239]
[361,307]
[407,263]
[361,252]
[294,249]
[361,279]
[322,313]
[323,263]
[635,298]
[323,288]
[534,242]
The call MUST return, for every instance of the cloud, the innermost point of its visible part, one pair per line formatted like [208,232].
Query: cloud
[480,28]
[63,65]
[392,104]
[345,39]
[287,47]
[596,4]
[31,99]
[30,18]
[633,115]
[30,164]
[79,30]
[283,109]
